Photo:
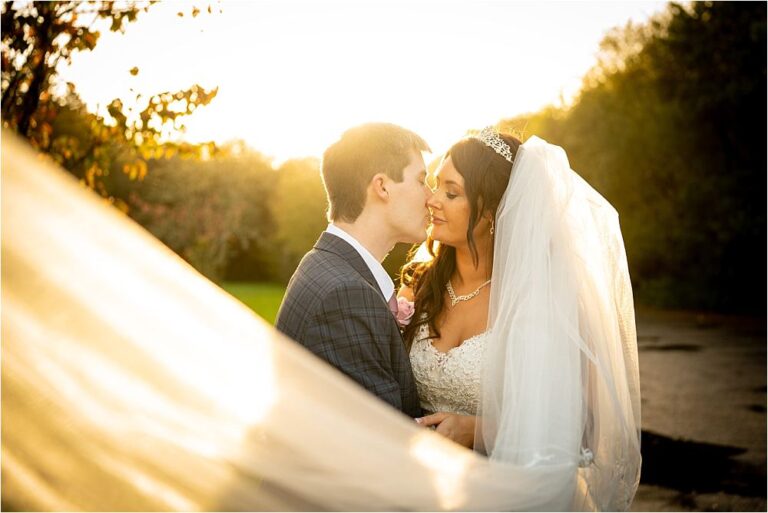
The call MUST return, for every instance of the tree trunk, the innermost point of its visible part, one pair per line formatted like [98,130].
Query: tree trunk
[40,73]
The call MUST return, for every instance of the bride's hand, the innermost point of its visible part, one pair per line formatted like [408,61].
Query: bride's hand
[459,428]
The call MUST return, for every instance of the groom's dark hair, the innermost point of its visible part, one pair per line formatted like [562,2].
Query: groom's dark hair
[350,163]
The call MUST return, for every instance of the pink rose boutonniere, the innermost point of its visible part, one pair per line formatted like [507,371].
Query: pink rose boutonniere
[405,311]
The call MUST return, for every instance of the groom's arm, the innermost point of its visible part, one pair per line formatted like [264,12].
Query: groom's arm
[351,330]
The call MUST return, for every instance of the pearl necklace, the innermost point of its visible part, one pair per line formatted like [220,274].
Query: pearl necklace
[466,297]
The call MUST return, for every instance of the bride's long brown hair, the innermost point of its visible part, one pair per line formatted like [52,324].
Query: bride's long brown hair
[486,174]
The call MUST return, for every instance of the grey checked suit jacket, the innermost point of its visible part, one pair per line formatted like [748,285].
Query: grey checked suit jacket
[334,307]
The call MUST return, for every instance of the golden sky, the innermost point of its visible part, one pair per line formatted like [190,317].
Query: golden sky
[292,75]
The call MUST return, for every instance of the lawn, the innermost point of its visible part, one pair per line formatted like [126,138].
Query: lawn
[262,298]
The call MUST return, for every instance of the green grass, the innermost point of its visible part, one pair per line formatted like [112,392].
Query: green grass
[262,298]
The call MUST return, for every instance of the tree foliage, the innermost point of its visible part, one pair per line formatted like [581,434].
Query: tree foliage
[298,205]
[670,126]
[36,38]
[211,212]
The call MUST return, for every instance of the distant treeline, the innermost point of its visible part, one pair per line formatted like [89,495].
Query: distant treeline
[670,126]
[235,216]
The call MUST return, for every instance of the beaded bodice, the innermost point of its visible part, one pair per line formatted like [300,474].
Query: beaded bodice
[450,381]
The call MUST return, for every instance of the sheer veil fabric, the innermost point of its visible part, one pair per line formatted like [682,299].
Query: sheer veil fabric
[130,382]
[560,387]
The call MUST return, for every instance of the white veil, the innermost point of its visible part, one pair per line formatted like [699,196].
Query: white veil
[130,382]
[560,381]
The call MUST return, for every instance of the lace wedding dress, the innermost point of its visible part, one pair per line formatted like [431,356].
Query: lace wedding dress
[448,381]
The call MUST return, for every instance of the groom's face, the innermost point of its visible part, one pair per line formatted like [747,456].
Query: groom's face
[408,205]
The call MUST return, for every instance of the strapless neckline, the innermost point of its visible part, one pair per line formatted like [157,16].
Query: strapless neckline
[455,348]
[448,381]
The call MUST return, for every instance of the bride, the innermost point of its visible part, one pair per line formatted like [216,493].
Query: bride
[523,342]
[452,288]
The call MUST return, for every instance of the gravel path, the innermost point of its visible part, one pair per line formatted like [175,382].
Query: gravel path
[703,380]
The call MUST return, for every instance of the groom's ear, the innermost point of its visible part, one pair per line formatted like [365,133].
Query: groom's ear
[379,185]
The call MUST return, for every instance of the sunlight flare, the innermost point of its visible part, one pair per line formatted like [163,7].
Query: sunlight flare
[448,464]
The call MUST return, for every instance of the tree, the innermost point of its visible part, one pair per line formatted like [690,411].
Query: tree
[209,212]
[36,38]
[670,127]
[298,208]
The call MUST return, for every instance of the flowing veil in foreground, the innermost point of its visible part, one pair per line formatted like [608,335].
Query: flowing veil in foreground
[131,382]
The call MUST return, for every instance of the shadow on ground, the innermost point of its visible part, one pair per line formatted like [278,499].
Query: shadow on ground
[696,467]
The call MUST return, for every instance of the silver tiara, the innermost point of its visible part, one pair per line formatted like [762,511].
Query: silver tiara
[490,138]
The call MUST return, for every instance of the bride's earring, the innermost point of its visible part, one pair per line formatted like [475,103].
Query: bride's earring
[491,226]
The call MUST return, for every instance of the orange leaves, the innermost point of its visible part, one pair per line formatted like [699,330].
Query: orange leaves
[206,97]
[90,39]
[115,109]
[37,35]
[136,170]
[194,12]
[64,148]
[164,110]
[90,175]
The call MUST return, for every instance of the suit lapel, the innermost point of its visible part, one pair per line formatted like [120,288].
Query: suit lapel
[333,244]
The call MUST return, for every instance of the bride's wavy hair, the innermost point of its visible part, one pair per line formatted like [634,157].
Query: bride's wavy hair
[486,174]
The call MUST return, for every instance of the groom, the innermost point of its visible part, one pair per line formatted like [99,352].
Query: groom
[340,302]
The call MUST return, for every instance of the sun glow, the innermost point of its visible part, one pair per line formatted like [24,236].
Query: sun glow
[293,75]
[448,465]
[125,351]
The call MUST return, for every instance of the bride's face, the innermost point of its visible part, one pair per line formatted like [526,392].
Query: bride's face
[449,206]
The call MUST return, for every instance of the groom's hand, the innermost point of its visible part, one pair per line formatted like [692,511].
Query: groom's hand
[459,428]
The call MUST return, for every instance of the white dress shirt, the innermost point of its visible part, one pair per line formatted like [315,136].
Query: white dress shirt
[385,283]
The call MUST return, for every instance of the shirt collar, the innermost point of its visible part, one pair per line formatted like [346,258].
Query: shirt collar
[383,280]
